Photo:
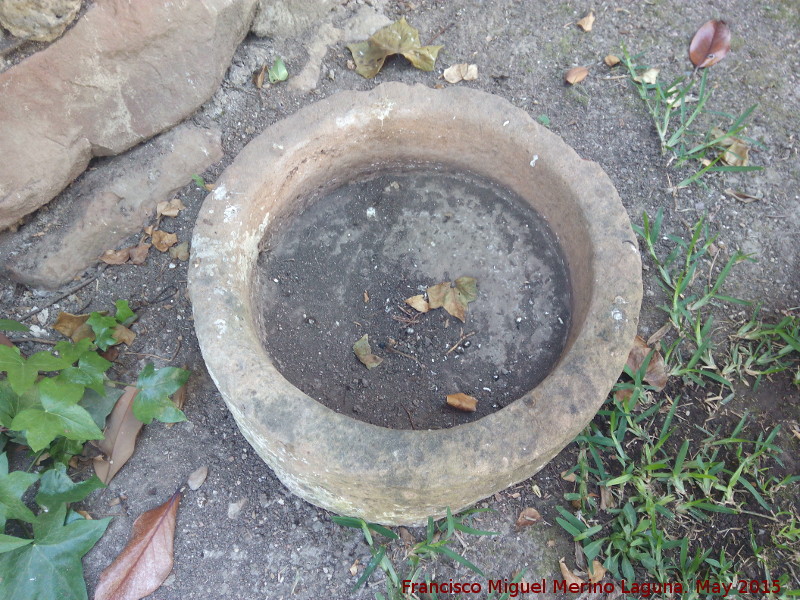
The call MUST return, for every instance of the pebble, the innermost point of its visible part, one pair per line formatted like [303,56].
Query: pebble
[235,508]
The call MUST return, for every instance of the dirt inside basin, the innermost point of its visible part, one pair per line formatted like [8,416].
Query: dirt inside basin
[343,266]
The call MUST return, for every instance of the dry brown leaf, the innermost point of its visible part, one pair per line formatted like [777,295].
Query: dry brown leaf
[622,396]
[462,402]
[406,536]
[418,303]
[606,498]
[576,75]
[120,437]
[586,22]
[69,325]
[149,229]
[366,297]
[460,72]
[598,571]
[649,76]
[710,44]
[397,38]
[139,253]
[116,257]
[662,331]
[354,568]
[258,77]
[736,154]
[364,353]
[146,561]
[169,208]
[742,196]
[656,373]
[567,573]
[611,60]
[4,341]
[571,477]
[123,335]
[180,251]
[197,478]
[528,516]
[454,297]
[163,240]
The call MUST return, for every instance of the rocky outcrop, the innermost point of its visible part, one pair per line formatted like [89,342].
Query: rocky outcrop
[38,20]
[125,72]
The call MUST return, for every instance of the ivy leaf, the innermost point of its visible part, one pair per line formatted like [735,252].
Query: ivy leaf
[11,404]
[57,415]
[57,488]
[20,376]
[397,38]
[100,405]
[49,568]
[46,361]
[9,542]
[56,392]
[155,388]
[125,314]
[90,372]
[103,327]
[12,486]
[12,325]
[72,352]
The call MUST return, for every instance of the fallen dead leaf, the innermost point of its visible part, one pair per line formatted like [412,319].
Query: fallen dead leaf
[406,536]
[742,196]
[418,303]
[606,498]
[598,571]
[528,516]
[120,437]
[460,72]
[197,478]
[138,254]
[454,297]
[611,60]
[662,331]
[537,491]
[462,402]
[72,326]
[397,38]
[364,353]
[149,230]
[123,335]
[567,573]
[586,22]
[4,341]
[649,76]
[736,154]
[258,77]
[366,297]
[163,240]
[169,208]
[710,44]
[576,75]
[571,477]
[146,561]
[622,396]
[180,251]
[116,257]
[656,373]
[354,568]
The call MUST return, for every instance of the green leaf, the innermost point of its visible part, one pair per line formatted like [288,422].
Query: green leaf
[155,388]
[62,449]
[277,72]
[54,418]
[397,38]
[124,315]
[12,325]
[90,372]
[55,392]
[199,181]
[46,361]
[71,352]
[50,567]
[57,488]
[100,405]
[20,375]
[9,542]
[103,327]
[12,486]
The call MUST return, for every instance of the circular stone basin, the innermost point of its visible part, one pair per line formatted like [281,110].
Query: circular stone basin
[402,476]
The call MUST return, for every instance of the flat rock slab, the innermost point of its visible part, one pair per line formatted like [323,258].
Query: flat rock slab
[109,204]
[125,72]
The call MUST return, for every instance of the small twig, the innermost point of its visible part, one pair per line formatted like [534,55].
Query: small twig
[460,340]
[440,32]
[33,340]
[414,358]
[177,348]
[410,420]
[69,292]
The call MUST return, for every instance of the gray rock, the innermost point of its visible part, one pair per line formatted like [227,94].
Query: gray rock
[38,20]
[281,19]
[125,72]
[107,205]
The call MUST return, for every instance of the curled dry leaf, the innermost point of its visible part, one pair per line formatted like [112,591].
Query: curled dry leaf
[586,22]
[169,208]
[710,44]
[116,257]
[163,240]
[656,373]
[611,60]
[624,395]
[606,498]
[197,478]
[397,38]
[354,568]
[454,298]
[461,72]
[364,353]
[571,477]
[418,303]
[528,516]
[567,573]
[648,76]
[123,335]
[138,254]
[736,153]
[576,75]
[462,402]
[258,77]
[180,251]
[146,561]
[662,331]
[120,437]
[72,326]
[598,571]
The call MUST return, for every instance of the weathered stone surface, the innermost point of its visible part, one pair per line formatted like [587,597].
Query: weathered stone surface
[126,71]
[38,20]
[286,18]
[403,476]
[107,205]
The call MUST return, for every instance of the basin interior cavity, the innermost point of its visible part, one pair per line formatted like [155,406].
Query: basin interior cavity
[343,267]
